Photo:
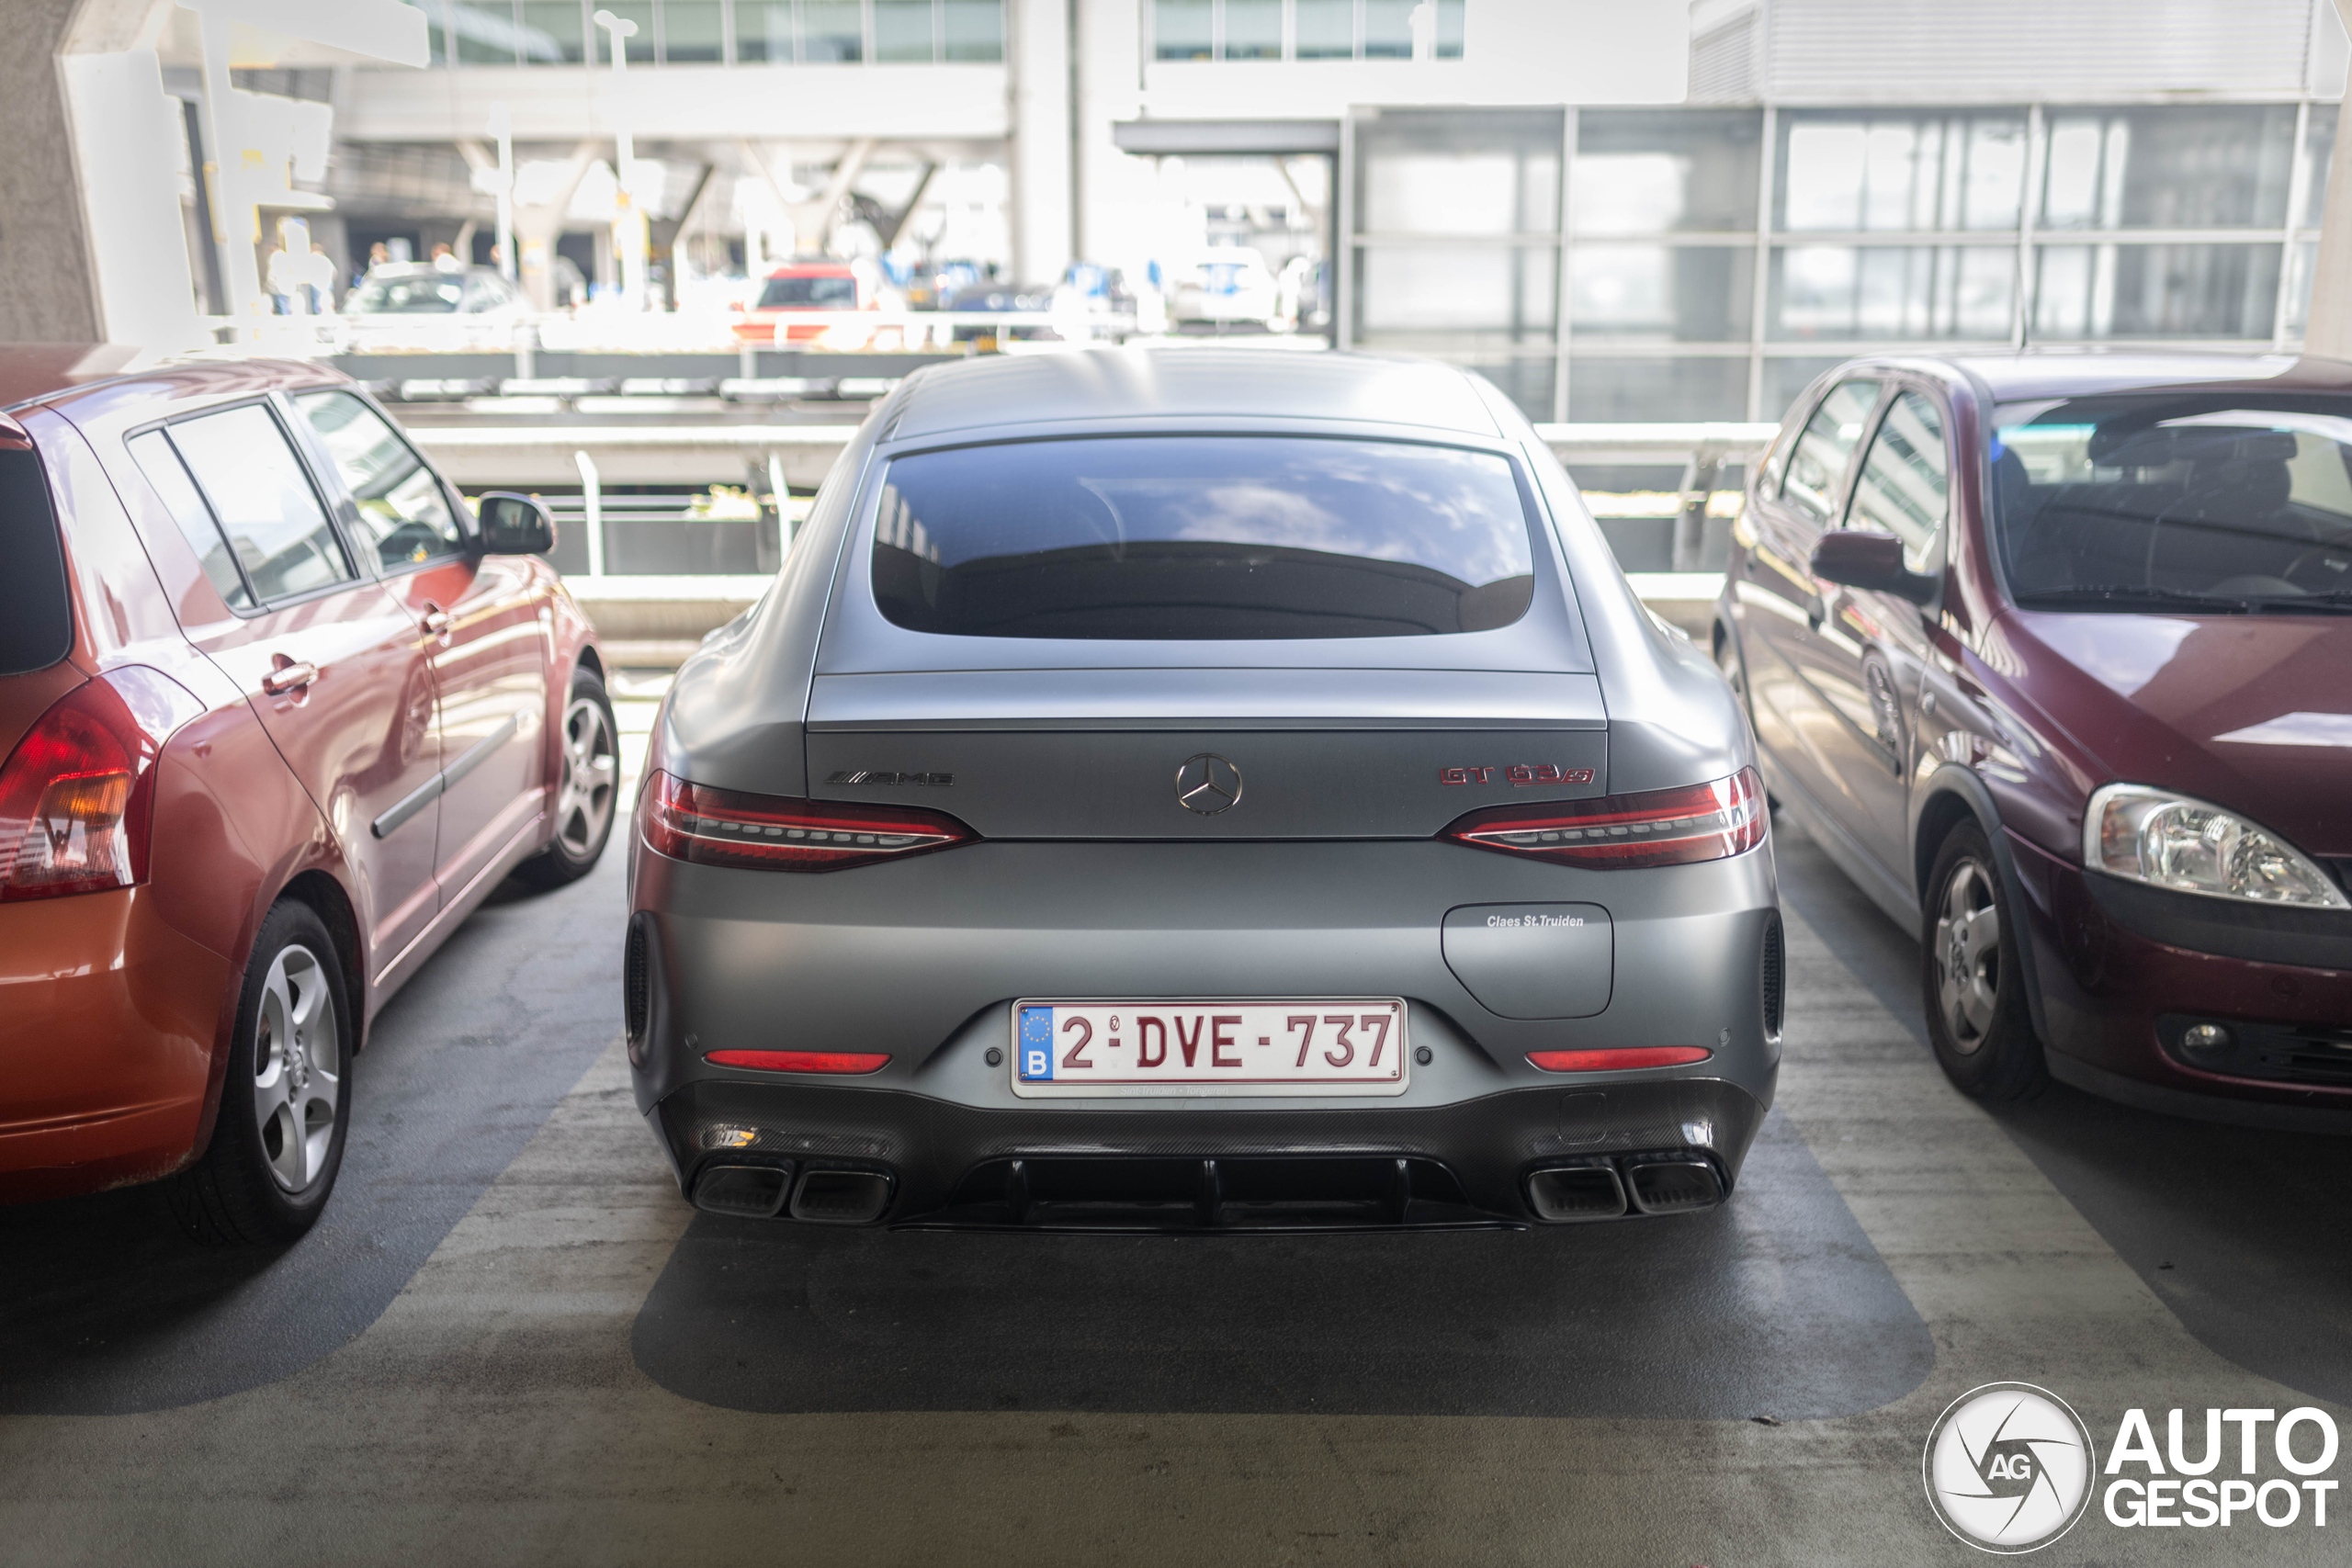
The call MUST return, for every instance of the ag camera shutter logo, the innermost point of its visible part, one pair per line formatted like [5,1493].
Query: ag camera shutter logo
[2009,1468]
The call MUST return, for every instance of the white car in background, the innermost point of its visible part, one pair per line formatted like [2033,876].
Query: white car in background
[416,305]
[1225,286]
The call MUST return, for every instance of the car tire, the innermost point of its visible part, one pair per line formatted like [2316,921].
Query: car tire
[587,792]
[286,1101]
[1972,980]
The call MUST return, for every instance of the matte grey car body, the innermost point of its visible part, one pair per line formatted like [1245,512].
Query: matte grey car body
[1092,872]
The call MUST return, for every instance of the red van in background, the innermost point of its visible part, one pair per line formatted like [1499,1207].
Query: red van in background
[276,711]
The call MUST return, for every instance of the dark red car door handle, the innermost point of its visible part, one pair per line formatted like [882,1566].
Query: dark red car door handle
[290,675]
[436,620]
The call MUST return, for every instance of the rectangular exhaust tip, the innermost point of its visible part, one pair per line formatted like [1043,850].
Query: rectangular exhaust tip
[841,1196]
[1674,1186]
[1575,1192]
[746,1191]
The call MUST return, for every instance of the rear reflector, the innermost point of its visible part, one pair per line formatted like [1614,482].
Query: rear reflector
[773,833]
[803,1061]
[1613,1060]
[1659,827]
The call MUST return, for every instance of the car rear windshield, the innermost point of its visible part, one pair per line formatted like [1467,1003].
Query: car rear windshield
[823,293]
[2225,501]
[36,615]
[1198,539]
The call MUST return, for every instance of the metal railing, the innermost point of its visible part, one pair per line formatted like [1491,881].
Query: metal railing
[777,459]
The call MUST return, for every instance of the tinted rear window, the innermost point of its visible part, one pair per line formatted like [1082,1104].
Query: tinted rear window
[35,617]
[1197,538]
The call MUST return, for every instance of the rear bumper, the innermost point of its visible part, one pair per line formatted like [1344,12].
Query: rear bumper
[2116,999]
[921,960]
[949,1164]
[107,1022]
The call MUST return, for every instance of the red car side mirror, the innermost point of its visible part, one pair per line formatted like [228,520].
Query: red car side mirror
[1872,561]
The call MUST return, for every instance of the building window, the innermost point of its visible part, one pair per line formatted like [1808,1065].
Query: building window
[1884,292]
[1669,171]
[904,31]
[2193,166]
[1319,29]
[694,32]
[554,32]
[1253,30]
[1184,29]
[481,33]
[972,30]
[832,32]
[1924,172]
[1325,30]
[2155,291]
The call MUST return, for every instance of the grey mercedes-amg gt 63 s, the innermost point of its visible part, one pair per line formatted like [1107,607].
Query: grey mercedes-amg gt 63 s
[1200,789]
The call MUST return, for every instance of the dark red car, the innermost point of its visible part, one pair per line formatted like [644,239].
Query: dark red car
[2053,654]
[276,711]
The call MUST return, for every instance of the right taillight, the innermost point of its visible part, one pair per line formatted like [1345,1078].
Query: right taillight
[77,793]
[1659,827]
[773,832]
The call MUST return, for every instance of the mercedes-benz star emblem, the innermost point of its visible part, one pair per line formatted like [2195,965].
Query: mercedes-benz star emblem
[1208,784]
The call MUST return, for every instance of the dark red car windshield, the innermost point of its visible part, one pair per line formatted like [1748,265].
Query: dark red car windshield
[2225,501]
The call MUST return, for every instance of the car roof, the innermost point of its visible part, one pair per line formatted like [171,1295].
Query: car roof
[1173,383]
[26,378]
[814,269]
[2061,373]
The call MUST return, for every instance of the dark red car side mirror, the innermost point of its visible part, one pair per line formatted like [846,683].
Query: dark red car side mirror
[1872,561]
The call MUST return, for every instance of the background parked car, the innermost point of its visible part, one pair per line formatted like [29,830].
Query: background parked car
[803,289]
[1227,286]
[277,712]
[416,304]
[2054,656]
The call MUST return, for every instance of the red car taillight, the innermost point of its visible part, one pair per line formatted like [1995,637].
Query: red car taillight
[1659,827]
[1617,1058]
[78,792]
[802,1061]
[771,832]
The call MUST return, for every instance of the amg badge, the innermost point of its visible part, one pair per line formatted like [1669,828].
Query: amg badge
[868,776]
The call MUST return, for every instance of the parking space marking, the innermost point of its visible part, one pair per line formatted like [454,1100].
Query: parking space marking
[495,1411]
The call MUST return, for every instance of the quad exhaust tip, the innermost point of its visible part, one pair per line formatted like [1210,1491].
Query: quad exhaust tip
[1569,1195]
[819,1197]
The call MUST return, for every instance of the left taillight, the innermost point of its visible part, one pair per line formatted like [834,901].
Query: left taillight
[77,796]
[774,832]
[1659,827]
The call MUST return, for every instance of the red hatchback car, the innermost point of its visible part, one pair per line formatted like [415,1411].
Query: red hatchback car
[2052,655]
[276,711]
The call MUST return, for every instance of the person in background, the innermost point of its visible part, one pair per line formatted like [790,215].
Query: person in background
[283,279]
[377,255]
[318,279]
[445,260]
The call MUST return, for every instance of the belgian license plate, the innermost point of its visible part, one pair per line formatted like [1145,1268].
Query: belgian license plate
[1286,1046]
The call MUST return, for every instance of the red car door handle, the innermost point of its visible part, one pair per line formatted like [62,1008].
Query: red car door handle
[290,675]
[436,620]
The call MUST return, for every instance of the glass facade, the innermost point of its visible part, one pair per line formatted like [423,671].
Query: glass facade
[722,32]
[1715,260]
[1302,29]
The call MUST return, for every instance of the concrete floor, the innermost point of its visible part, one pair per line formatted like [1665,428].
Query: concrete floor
[510,1340]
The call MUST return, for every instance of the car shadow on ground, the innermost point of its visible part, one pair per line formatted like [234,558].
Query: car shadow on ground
[107,1308]
[1774,1304]
[2245,1235]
